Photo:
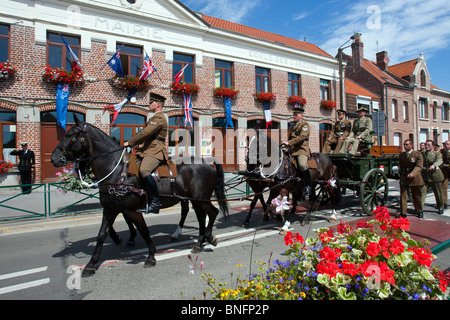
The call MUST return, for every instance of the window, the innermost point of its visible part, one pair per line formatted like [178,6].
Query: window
[293,84]
[7,134]
[423,108]
[395,109]
[435,110]
[131,59]
[405,111]
[57,53]
[423,79]
[181,140]
[445,111]
[223,74]
[4,42]
[262,80]
[397,138]
[126,126]
[325,130]
[324,89]
[179,62]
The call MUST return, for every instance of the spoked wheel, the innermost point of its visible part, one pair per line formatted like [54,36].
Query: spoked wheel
[374,190]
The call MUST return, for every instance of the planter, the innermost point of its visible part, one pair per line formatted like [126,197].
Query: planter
[9,182]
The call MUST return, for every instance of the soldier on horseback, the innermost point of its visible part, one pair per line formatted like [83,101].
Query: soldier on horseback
[299,144]
[152,148]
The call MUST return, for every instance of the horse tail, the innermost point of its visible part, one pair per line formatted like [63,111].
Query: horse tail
[220,190]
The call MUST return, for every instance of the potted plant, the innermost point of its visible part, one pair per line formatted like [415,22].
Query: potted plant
[297,101]
[60,75]
[265,96]
[185,88]
[130,82]
[225,92]
[7,70]
[328,104]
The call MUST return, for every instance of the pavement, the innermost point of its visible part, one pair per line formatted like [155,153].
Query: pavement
[46,209]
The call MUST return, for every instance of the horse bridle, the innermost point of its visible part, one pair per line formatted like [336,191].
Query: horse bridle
[79,135]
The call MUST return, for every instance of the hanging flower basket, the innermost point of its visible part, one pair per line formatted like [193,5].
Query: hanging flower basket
[297,101]
[327,104]
[5,166]
[183,87]
[7,70]
[225,92]
[58,75]
[130,82]
[265,96]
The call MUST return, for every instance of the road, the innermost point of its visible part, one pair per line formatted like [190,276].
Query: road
[38,258]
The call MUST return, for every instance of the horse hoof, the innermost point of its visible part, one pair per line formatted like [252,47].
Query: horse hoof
[150,262]
[172,239]
[331,220]
[283,232]
[213,241]
[196,248]
[87,272]
[246,225]
[131,243]
[117,241]
[305,222]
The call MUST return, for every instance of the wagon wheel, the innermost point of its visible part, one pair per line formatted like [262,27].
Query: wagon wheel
[374,190]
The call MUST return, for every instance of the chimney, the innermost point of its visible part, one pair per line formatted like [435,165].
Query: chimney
[382,60]
[358,53]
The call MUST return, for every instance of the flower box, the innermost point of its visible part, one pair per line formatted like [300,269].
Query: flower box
[328,104]
[60,75]
[5,166]
[297,101]
[7,70]
[265,96]
[130,82]
[225,92]
[183,87]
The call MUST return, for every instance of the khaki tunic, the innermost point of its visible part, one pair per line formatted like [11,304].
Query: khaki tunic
[341,129]
[445,168]
[299,139]
[433,178]
[152,140]
[411,164]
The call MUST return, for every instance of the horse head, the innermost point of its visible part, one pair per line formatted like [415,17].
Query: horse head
[73,146]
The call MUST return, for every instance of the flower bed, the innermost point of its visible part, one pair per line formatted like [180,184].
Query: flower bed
[59,75]
[130,82]
[225,92]
[183,87]
[328,104]
[7,70]
[297,101]
[265,96]
[376,260]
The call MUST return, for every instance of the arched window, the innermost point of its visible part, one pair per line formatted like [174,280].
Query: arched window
[423,79]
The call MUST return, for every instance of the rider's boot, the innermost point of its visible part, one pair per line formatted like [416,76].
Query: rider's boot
[152,194]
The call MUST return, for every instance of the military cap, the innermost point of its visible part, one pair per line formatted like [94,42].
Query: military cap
[363,109]
[297,110]
[154,97]
[342,111]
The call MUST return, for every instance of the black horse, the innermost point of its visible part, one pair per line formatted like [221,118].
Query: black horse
[196,181]
[270,166]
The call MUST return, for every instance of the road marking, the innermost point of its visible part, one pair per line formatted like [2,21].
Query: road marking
[25,285]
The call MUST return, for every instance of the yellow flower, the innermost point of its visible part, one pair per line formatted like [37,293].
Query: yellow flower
[239,265]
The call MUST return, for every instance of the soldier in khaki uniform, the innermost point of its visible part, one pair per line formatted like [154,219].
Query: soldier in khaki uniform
[411,163]
[151,142]
[445,168]
[432,175]
[341,131]
[361,132]
[299,143]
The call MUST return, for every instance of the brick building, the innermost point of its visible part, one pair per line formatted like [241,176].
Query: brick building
[223,54]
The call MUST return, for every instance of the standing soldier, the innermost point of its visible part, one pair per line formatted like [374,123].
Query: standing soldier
[341,130]
[432,175]
[26,166]
[445,170]
[361,132]
[411,163]
[299,143]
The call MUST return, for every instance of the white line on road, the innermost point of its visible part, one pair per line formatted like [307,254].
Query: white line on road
[25,285]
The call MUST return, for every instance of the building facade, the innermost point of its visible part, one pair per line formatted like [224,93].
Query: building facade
[216,53]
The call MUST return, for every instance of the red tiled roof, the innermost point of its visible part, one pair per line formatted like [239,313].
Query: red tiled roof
[357,90]
[264,35]
[403,69]
[378,73]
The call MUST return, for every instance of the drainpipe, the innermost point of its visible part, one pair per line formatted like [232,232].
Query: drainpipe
[387,114]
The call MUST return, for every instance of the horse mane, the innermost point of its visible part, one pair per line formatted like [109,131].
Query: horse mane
[111,143]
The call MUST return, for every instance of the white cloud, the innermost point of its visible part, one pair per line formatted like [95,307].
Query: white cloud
[404,28]
[231,10]
[299,16]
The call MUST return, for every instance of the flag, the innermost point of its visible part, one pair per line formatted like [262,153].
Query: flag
[227,102]
[148,68]
[268,114]
[118,107]
[115,64]
[72,56]
[178,76]
[62,99]
[187,104]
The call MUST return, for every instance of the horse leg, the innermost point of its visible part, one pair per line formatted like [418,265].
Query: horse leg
[133,232]
[138,220]
[212,215]
[333,217]
[201,217]
[107,222]
[115,236]
[246,223]
[184,211]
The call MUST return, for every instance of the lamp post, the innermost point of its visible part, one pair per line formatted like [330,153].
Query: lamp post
[355,36]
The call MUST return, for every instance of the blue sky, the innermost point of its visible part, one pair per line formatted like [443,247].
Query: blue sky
[402,28]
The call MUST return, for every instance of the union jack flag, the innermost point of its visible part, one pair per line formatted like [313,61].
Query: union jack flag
[148,68]
[187,104]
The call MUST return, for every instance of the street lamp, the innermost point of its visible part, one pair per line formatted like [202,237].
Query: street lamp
[355,36]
